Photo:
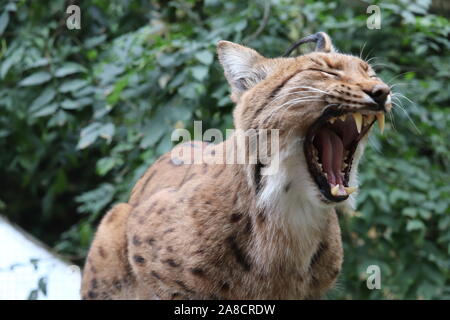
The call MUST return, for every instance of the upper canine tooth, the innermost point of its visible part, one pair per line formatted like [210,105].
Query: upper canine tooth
[331,120]
[335,190]
[350,190]
[343,117]
[358,120]
[380,118]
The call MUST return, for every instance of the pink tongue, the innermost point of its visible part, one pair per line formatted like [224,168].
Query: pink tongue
[331,149]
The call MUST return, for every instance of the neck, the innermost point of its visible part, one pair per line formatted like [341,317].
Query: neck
[293,222]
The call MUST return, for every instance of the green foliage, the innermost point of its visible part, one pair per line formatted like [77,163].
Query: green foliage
[84,112]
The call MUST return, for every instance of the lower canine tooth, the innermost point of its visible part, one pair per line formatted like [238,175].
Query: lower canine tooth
[380,118]
[350,190]
[335,190]
[358,120]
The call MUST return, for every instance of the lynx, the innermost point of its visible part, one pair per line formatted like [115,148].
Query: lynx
[231,231]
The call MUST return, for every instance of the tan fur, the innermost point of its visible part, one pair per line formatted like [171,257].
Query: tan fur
[203,231]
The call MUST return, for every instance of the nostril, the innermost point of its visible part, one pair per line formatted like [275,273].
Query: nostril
[379,93]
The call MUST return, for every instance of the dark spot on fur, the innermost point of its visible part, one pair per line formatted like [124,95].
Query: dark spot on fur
[102,252]
[139,259]
[314,281]
[150,241]
[321,248]
[287,187]
[200,251]
[204,168]
[336,272]
[93,269]
[92,294]
[117,284]
[161,210]
[169,249]
[136,240]
[94,283]
[172,263]
[257,176]
[156,275]
[175,295]
[183,286]
[248,226]
[261,218]
[199,272]
[235,217]
[238,253]
[169,230]
[213,152]
[225,286]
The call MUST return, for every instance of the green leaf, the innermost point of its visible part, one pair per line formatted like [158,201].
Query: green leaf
[415,225]
[88,135]
[200,72]
[69,68]
[35,79]
[76,104]
[107,131]
[4,20]
[45,111]
[205,57]
[72,85]
[104,165]
[44,98]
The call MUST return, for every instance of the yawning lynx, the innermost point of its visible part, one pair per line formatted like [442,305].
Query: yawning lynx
[231,231]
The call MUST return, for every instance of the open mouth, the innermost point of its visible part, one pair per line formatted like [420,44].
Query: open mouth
[330,145]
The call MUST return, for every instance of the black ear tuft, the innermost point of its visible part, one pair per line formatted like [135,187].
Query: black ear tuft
[322,40]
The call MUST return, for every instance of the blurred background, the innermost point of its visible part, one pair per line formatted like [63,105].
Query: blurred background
[84,112]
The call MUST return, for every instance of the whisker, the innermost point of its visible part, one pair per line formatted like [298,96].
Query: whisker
[408,117]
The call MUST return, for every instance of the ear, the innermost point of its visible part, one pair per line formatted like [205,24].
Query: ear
[244,67]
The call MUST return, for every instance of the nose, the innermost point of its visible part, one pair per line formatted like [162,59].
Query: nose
[379,94]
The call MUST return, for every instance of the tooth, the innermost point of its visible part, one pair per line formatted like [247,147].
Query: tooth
[343,117]
[369,118]
[335,190]
[380,118]
[358,120]
[331,120]
[350,190]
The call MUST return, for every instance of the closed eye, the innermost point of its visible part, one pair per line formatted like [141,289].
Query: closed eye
[326,72]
